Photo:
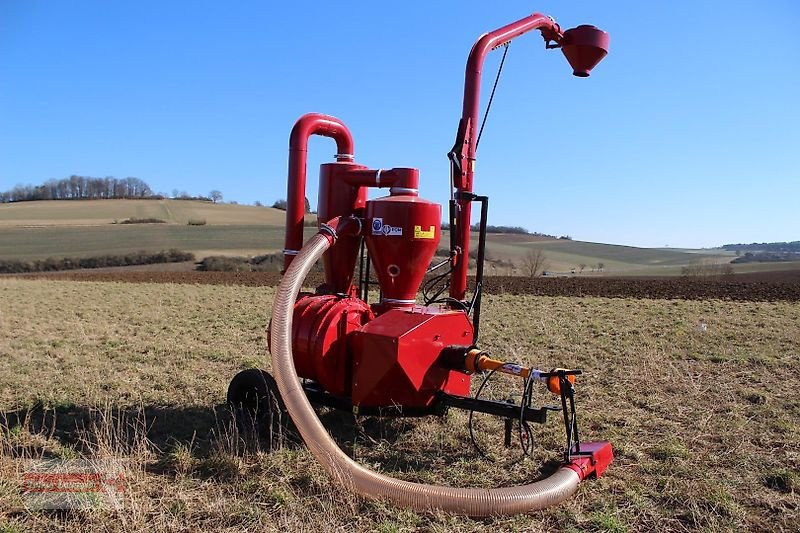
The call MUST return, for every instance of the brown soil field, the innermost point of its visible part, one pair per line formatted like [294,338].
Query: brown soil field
[772,286]
[761,286]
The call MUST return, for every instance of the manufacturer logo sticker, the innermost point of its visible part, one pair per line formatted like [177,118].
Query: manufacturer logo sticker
[392,230]
[379,228]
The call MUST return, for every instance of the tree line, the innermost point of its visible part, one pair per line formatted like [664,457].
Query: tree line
[52,264]
[79,188]
[793,246]
[516,230]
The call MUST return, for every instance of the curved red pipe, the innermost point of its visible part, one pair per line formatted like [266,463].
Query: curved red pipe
[470,119]
[407,178]
[306,126]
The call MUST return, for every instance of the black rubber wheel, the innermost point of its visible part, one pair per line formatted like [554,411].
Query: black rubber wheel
[258,410]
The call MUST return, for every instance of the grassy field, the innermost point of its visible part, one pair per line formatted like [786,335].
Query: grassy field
[62,241]
[38,230]
[704,420]
[100,212]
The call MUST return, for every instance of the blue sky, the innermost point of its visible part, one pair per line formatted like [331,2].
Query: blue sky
[686,135]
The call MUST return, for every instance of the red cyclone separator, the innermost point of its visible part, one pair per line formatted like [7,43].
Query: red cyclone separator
[306,126]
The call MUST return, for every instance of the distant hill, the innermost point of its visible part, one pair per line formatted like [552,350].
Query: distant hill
[590,258]
[84,228]
[81,228]
[100,212]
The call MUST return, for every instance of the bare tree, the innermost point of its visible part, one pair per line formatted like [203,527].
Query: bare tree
[80,187]
[582,267]
[601,266]
[215,195]
[535,262]
[707,268]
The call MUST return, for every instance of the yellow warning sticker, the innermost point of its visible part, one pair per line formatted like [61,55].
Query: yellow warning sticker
[420,234]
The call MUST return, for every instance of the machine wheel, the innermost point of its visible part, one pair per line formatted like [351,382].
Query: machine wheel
[258,410]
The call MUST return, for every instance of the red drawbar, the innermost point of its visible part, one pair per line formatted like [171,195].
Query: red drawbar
[599,456]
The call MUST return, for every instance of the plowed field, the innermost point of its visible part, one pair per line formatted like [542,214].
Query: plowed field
[763,286]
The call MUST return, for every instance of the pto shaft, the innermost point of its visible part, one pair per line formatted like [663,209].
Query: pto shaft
[479,361]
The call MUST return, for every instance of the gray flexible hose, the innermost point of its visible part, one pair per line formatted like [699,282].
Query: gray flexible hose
[470,501]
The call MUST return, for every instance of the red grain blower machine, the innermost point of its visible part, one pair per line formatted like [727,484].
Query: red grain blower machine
[410,352]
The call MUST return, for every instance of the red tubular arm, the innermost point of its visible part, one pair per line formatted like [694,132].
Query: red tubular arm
[470,122]
[308,125]
[407,178]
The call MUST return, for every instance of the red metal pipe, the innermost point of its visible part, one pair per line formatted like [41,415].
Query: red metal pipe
[407,178]
[306,126]
[340,227]
[469,122]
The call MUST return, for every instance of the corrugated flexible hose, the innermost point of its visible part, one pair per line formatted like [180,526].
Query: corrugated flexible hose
[474,502]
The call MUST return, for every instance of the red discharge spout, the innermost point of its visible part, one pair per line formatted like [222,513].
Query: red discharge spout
[467,135]
[584,47]
[308,125]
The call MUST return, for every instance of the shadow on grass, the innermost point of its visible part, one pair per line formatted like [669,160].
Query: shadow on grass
[165,428]
[162,426]
[203,442]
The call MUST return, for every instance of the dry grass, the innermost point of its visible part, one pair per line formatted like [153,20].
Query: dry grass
[703,420]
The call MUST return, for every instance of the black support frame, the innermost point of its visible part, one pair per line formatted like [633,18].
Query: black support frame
[510,411]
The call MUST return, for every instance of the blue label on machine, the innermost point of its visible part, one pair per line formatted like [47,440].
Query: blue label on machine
[379,228]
